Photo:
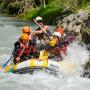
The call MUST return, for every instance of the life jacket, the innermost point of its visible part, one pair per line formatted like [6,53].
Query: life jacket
[32,49]
[40,36]
[26,50]
[60,49]
[63,50]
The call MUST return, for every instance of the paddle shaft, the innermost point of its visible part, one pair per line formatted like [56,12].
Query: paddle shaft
[19,55]
[37,23]
[23,49]
[40,26]
[8,60]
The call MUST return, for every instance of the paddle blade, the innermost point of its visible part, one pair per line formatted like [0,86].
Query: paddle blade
[1,68]
[6,63]
[8,68]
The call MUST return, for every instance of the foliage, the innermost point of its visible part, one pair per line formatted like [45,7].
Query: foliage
[49,13]
[86,35]
[48,9]
[10,8]
[13,9]
[73,5]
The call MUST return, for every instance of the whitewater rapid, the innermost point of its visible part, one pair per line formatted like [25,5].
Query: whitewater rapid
[10,30]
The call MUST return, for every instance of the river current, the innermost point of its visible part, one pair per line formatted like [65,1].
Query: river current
[10,30]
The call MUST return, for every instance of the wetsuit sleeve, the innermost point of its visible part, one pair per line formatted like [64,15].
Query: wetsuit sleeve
[48,33]
[16,46]
[63,43]
[33,42]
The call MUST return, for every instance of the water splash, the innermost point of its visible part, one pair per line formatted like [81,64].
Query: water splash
[77,56]
[73,63]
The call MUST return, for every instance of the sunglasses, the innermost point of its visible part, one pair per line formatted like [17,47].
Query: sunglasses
[39,21]
[28,32]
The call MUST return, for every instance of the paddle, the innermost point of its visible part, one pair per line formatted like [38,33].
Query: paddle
[23,48]
[48,35]
[40,26]
[19,55]
[7,60]
[37,23]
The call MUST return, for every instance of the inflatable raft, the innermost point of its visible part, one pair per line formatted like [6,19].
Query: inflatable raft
[31,65]
[48,65]
[42,63]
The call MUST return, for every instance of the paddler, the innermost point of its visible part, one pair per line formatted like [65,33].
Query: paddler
[56,46]
[44,29]
[27,30]
[61,30]
[23,49]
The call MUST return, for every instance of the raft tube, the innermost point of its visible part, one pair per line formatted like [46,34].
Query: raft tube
[31,65]
[47,65]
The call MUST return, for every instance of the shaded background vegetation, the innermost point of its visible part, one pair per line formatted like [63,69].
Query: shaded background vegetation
[50,10]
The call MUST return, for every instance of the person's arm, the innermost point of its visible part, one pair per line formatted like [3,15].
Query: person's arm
[41,30]
[37,32]
[16,46]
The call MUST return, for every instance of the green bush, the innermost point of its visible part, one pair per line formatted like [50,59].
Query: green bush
[5,8]
[32,13]
[13,9]
[10,8]
[49,13]
[53,10]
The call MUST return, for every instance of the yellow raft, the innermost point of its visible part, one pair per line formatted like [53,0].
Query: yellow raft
[41,63]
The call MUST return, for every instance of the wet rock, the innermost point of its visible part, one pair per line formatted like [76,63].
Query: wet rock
[75,22]
[79,23]
[87,70]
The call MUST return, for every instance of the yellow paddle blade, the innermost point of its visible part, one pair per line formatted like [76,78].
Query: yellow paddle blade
[8,68]
[52,42]
[1,68]
[43,55]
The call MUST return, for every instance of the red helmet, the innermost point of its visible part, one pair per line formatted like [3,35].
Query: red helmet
[26,29]
[60,30]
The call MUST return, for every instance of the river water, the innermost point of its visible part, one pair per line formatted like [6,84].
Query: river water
[10,30]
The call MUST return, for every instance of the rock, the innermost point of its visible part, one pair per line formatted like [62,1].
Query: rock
[87,70]
[74,22]
[79,23]
[86,36]
[82,15]
[71,17]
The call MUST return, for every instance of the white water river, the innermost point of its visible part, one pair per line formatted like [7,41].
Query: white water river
[10,30]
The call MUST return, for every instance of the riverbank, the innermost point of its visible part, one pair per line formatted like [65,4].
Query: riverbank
[55,10]
[51,10]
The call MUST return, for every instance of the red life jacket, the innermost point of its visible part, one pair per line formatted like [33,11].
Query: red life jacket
[26,50]
[71,38]
[61,50]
